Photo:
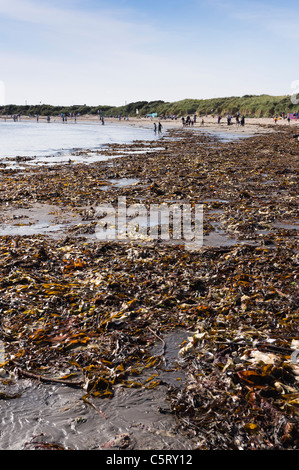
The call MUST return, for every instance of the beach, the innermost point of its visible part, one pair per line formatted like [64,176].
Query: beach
[144,342]
[255,124]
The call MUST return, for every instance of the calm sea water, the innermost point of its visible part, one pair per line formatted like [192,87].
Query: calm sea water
[48,140]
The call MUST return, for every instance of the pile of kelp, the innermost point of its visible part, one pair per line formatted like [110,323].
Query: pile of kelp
[242,390]
[90,314]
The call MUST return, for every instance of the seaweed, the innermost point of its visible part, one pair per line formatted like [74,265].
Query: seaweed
[90,314]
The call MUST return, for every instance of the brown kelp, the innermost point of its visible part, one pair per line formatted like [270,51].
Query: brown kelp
[95,314]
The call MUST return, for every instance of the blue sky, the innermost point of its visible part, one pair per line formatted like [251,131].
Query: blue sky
[117,51]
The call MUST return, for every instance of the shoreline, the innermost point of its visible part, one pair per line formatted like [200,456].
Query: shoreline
[256,125]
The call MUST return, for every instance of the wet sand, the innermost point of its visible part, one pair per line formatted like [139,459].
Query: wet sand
[252,125]
[53,416]
[210,123]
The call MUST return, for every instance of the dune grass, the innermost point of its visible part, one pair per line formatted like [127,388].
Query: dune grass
[249,105]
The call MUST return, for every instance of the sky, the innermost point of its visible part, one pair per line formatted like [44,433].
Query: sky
[100,52]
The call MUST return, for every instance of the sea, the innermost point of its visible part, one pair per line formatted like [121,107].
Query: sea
[42,142]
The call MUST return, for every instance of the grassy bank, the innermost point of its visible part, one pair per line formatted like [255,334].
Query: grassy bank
[249,105]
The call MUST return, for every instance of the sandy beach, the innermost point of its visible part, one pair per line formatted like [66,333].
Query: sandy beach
[252,124]
[210,334]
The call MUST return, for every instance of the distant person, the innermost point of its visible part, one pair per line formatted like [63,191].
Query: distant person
[155,127]
[159,127]
[243,121]
[48,118]
[219,119]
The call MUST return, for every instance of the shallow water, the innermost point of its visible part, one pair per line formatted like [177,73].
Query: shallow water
[218,239]
[229,136]
[43,219]
[120,183]
[288,225]
[56,414]
[40,143]
[52,142]
[55,222]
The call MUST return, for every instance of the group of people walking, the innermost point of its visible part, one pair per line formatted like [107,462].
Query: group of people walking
[157,128]
[239,121]
[188,121]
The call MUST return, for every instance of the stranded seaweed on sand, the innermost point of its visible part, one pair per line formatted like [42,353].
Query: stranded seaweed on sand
[98,313]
